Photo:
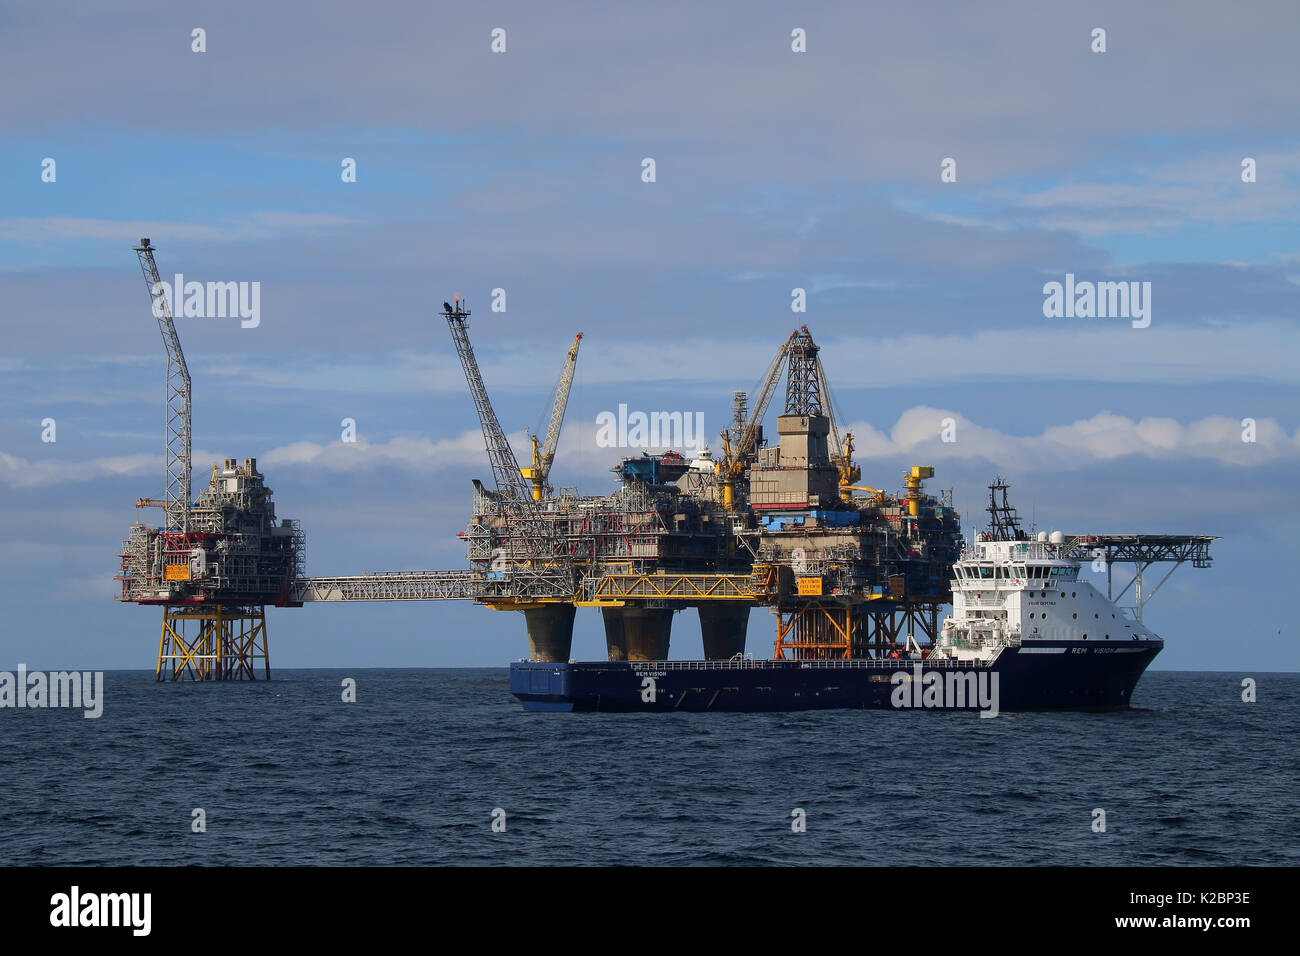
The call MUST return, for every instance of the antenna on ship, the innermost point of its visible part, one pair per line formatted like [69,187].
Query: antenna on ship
[1004,523]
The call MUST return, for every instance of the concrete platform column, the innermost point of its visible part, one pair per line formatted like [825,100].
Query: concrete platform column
[647,631]
[615,635]
[723,625]
[550,632]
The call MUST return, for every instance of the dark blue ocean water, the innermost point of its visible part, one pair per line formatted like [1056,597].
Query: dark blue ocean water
[410,774]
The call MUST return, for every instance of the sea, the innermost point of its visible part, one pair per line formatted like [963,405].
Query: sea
[443,767]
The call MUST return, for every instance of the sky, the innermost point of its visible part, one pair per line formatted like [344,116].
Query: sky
[524,170]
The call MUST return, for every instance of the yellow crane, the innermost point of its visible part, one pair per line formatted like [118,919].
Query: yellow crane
[540,469]
[735,457]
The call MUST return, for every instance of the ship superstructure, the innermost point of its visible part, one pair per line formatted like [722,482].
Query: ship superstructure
[1010,590]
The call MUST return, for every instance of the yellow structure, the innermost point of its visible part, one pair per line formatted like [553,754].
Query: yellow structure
[218,643]
[544,455]
[912,481]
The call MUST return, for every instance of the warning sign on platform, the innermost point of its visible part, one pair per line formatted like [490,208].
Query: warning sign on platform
[177,572]
[811,586]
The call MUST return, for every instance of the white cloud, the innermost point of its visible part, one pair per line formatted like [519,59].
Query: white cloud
[1204,189]
[22,473]
[1102,438]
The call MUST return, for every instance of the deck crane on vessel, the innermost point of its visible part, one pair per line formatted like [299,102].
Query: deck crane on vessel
[176,491]
[540,470]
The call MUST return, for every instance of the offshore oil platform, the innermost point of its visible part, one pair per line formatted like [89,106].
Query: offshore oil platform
[847,569]
[850,572]
[215,564]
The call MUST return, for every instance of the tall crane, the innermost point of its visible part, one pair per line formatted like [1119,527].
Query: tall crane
[176,428]
[538,565]
[734,457]
[841,451]
[505,469]
[540,470]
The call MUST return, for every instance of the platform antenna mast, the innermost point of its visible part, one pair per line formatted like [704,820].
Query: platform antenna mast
[505,468]
[176,494]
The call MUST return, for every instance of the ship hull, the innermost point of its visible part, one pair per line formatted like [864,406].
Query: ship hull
[1047,676]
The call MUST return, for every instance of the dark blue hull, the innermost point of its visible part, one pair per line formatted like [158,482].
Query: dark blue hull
[1056,676]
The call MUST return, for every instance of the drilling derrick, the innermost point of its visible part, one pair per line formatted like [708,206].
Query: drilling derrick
[803,382]
[216,563]
[847,575]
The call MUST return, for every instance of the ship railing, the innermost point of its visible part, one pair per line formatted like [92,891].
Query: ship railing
[886,663]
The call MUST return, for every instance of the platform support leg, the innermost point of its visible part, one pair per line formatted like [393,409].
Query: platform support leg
[615,633]
[647,631]
[723,626]
[550,632]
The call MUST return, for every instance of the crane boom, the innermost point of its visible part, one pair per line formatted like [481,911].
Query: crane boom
[841,451]
[176,428]
[505,469]
[538,565]
[734,457]
[540,471]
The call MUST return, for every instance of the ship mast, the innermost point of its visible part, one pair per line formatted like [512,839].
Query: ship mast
[1004,523]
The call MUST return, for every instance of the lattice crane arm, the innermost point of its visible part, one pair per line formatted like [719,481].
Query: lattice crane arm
[734,459]
[505,468]
[176,428]
[561,401]
[540,471]
[841,450]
